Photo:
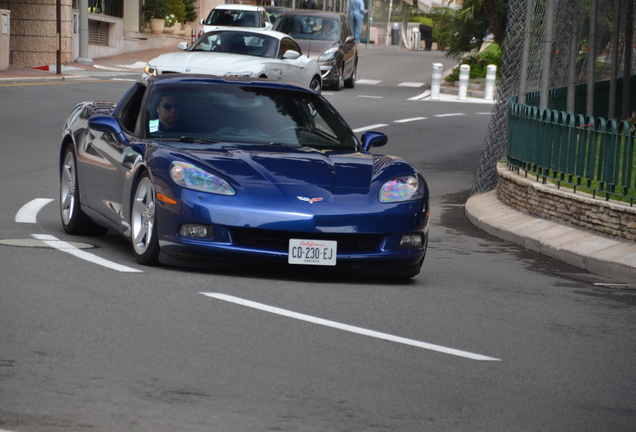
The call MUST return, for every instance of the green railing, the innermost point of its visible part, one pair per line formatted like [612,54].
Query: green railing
[572,149]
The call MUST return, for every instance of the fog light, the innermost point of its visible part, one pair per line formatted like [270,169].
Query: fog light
[195,230]
[411,241]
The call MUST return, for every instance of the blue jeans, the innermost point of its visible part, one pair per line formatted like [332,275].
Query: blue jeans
[356,25]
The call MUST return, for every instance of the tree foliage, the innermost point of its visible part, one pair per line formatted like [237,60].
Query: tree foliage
[464,30]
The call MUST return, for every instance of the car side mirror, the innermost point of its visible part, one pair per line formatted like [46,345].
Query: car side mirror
[202,21]
[269,26]
[107,124]
[183,46]
[291,55]
[373,139]
[350,39]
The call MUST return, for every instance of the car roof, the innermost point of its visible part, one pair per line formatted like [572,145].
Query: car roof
[168,79]
[259,31]
[239,7]
[313,12]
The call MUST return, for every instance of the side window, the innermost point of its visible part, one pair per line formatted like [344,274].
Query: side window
[129,109]
[346,29]
[264,18]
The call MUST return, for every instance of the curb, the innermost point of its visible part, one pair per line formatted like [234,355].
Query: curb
[613,259]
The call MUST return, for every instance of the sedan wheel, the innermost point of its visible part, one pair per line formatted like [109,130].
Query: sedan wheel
[340,82]
[315,85]
[74,221]
[143,223]
[351,82]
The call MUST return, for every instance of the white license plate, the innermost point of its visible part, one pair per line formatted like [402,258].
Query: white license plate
[312,252]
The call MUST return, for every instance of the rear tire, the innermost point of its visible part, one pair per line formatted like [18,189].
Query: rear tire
[143,223]
[74,220]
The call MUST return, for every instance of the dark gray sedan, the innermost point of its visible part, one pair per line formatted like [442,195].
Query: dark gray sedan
[327,38]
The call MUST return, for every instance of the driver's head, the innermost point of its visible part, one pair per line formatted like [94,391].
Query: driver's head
[327,26]
[168,110]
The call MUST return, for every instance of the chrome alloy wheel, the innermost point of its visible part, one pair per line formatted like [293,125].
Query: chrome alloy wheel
[68,189]
[143,216]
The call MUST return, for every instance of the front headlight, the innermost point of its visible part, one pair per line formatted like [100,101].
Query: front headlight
[329,54]
[404,188]
[191,177]
[150,69]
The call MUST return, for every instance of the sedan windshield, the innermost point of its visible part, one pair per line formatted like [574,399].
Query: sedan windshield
[308,27]
[237,42]
[245,115]
[233,18]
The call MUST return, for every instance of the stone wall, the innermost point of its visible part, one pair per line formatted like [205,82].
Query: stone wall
[33,32]
[525,193]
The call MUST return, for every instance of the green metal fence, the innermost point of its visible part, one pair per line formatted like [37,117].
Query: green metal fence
[584,152]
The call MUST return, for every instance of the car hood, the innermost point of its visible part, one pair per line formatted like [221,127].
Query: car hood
[204,62]
[296,167]
[313,48]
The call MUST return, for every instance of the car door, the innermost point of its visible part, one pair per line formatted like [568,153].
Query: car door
[294,70]
[348,45]
[107,160]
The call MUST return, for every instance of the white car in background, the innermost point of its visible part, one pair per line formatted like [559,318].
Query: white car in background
[236,15]
[241,53]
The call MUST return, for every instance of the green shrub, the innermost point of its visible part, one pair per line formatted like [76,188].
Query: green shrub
[479,64]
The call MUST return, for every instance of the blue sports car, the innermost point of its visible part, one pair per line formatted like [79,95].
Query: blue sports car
[189,166]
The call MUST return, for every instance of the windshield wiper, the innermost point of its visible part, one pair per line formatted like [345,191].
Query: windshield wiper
[187,139]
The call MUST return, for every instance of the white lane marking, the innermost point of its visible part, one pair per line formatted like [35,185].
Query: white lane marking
[70,249]
[411,84]
[483,113]
[449,115]
[368,81]
[124,79]
[370,97]
[29,212]
[366,128]
[346,327]
[409,119]
[426,94]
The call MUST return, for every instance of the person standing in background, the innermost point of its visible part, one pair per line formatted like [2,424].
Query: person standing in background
[357,15]
[308,4]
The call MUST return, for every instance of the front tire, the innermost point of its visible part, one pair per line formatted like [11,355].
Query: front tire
[315,85]
[74,221]
[351,82]
[143,223]
[340,81]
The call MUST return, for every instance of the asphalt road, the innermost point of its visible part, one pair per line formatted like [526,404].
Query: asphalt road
[489,337]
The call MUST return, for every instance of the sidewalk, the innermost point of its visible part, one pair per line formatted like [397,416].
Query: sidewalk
[128,62]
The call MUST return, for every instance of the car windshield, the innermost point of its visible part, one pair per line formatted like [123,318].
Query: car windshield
[308,27]
[245,114]
[233,18]
[237,42]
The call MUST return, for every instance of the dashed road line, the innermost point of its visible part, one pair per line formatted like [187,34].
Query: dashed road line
[368,81]
[348,328]
[407,120]
[366,128]
[411,84]
[449,115]
[370,97]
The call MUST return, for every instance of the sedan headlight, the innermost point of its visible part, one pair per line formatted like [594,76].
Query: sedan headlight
[329,54]
[404,188]
[150,69]
[191,177]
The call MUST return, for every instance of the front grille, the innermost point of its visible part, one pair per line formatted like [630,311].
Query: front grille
[279,240]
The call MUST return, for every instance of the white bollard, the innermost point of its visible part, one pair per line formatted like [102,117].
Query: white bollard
[464,74]
[436,80]
[491,77]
